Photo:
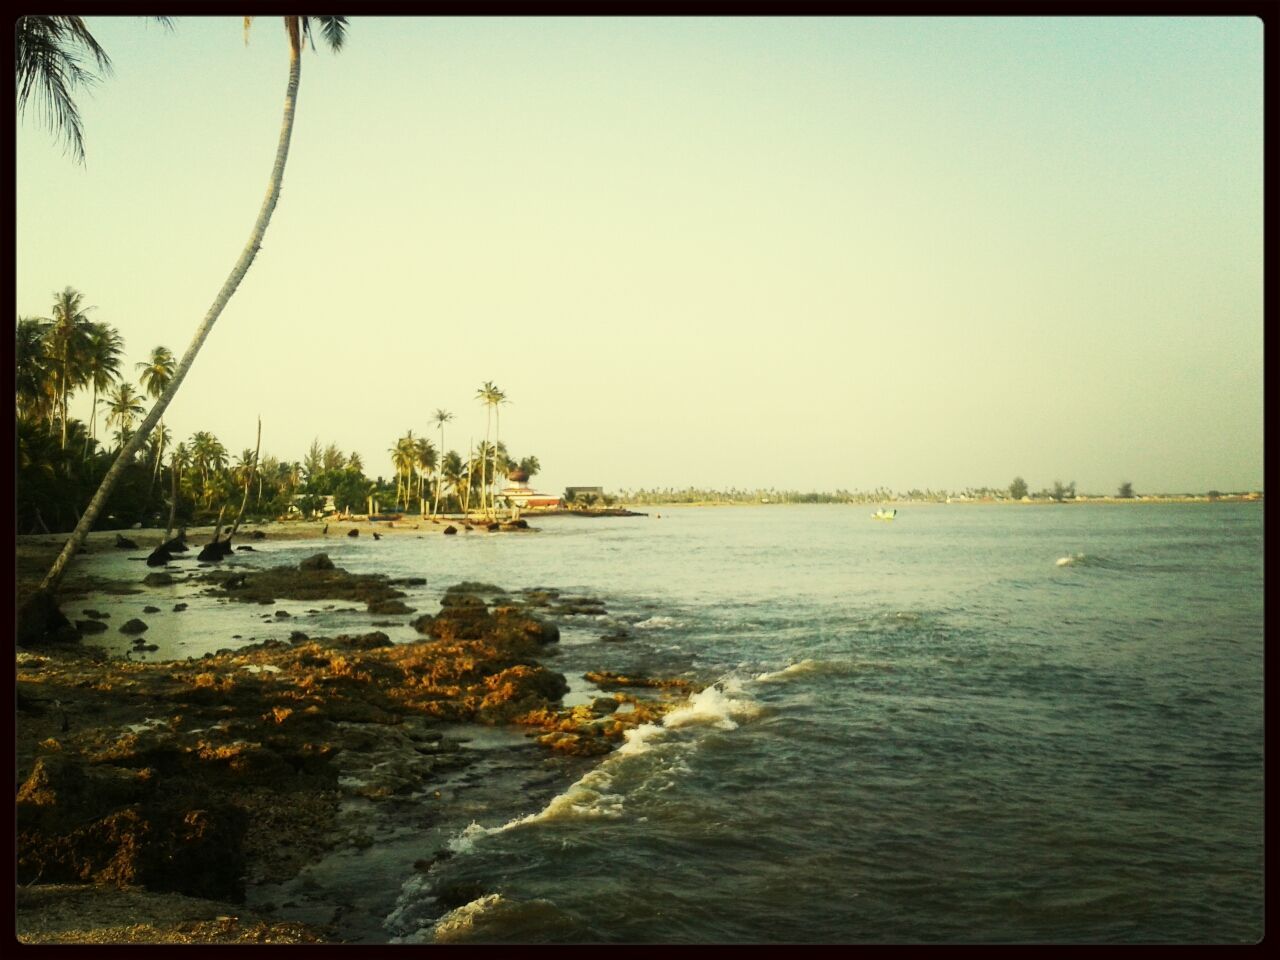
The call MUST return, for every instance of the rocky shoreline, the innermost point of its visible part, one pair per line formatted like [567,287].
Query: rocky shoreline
[183,800]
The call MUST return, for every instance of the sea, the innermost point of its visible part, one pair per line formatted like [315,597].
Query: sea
[975,723]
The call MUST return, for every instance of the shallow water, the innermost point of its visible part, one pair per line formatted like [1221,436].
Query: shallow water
[973,723]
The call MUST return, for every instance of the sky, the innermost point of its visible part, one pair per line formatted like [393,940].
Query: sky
[799,253]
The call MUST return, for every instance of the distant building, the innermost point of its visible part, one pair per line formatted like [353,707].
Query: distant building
[578,493]
[518,492]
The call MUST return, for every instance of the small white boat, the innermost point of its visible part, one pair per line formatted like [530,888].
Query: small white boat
[883,514]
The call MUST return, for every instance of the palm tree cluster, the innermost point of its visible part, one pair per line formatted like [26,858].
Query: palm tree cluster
[425,477]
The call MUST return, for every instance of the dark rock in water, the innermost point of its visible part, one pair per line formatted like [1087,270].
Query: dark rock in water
[258,535]
[377,535]
[133,626]
[40,621]
[159,557]
[216,551]
[150,609]
[520,524]
[450,530]
[493,527]
[91,626]
[179,607]
[408,582]
[318,561]
[388,606]
[367,641]
[244,547]
[353,533]
[148,647]
[177,545]
[283,614]
[124,543]
[297,636]
[158,579]
[96,614]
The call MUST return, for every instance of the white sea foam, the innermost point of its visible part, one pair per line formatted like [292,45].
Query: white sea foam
[659,623]
[794,670]
[1070,560]
[719,706]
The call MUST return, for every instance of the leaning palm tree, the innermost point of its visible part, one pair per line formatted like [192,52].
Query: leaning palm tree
[155,373]
[102,365]
[299,31]
[441,417]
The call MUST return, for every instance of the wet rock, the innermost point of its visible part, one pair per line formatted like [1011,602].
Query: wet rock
[40,622]
[90,626]
[450,530]
[215,552]
[124,543]
[159,557]
[179,607]
[318,561]
[96,614]
[353,533]
[389,606]
[158,579]
[408,581]
[133,626]
[150,609]
[258,535]
[283,614]
[245,547]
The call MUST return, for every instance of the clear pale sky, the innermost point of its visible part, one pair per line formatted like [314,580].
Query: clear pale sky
[801,253]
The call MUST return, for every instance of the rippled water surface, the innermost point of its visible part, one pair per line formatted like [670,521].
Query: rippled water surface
[972,723]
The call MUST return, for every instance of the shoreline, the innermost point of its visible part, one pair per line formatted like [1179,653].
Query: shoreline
[301,761]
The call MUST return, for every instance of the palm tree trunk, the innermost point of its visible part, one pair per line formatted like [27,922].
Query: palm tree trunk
[247,255]
[173,504]
[248,482]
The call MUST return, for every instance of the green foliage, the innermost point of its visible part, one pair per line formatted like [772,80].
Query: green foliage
[1126,491]
[1018,489]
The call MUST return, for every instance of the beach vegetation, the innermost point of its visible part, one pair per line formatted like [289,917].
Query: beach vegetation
[1018,489]
[59,52]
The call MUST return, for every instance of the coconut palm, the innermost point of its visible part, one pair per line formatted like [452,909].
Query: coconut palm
[499,398]
[124,407]
[51,52]
[102,365]
[66,344]
[441,417]
[453,473]
[425,460]
[299,31]
[155,373]
[31,365]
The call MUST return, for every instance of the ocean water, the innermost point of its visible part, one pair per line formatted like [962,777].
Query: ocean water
[970,724]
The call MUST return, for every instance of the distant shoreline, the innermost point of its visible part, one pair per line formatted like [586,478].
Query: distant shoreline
[955,501]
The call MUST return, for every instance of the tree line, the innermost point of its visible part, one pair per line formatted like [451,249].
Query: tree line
[61,459]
